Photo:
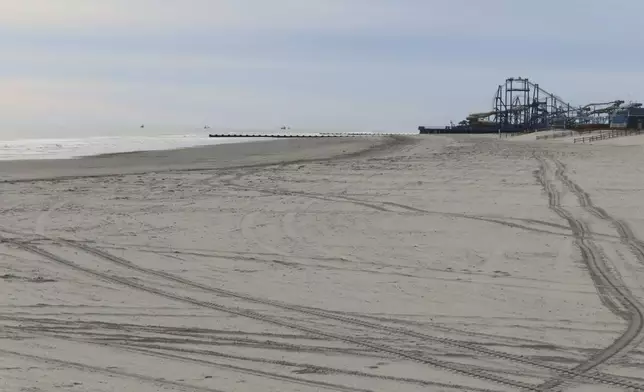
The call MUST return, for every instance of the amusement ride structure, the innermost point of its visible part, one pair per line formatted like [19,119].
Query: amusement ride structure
[520,105]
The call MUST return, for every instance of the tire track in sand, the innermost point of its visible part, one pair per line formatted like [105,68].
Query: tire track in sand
[109,372]
[239,369]
[472,347]
[456,368]
[600,378]
[155,349]
[387,206]
[307,366]
[597,267]
[623,229]
[589,251]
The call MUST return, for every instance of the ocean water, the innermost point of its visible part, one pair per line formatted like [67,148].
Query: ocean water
[66,148]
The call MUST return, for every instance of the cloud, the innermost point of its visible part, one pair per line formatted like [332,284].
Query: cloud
[376,64]
[73,14]
[573,21]
[213,14]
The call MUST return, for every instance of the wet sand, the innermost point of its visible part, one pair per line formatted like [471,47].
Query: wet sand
[409,264]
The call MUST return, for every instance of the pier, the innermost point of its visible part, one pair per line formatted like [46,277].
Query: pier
[303,135]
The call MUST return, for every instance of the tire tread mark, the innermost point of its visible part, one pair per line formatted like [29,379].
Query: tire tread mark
[317,368]
[355,373]
[382,206]
[351,320]
[112,372]
[452,367]
[598,267]
[255,372]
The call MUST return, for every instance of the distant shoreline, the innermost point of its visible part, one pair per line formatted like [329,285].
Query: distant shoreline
[73,148]
[204,157]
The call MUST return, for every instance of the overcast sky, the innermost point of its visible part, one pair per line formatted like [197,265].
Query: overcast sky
[72,67]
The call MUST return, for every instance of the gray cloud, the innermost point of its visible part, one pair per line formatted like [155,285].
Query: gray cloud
[359,64]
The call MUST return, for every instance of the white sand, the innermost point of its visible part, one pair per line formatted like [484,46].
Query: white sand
[407,264]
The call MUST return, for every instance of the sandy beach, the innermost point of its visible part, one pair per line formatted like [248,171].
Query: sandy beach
[429,263]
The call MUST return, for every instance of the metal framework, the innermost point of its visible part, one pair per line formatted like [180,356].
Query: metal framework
[598,113]
[519,104]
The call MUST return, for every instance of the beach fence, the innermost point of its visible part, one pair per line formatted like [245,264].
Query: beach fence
[607,135]
[555,135]
[513,134]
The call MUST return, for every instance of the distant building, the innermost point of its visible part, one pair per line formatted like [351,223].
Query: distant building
[631,118]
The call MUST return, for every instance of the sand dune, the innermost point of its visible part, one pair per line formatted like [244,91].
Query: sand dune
[394,264]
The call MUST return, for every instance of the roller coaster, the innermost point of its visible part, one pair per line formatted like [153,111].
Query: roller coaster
[522,106]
